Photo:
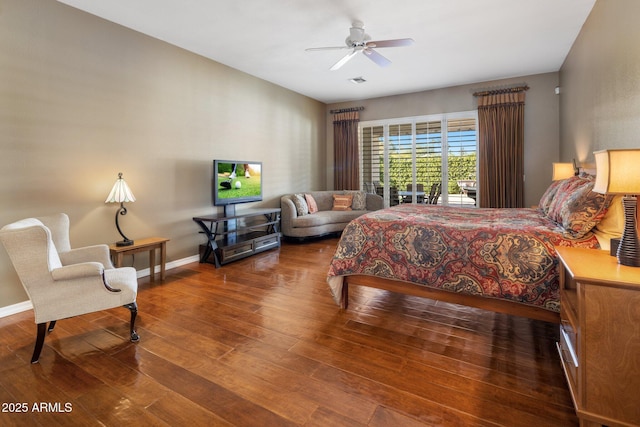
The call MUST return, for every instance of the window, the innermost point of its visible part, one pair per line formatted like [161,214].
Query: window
[407,160]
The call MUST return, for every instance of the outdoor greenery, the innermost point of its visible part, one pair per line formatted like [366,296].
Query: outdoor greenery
[429,170]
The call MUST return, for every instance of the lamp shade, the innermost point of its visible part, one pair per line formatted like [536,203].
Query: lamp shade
[120,192]
[617,171]
[562,171]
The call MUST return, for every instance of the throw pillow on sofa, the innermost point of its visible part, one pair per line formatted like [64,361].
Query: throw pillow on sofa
[311,203]
[301,204]
[342,202]
[359,200]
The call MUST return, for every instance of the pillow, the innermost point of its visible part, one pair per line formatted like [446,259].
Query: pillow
[342,202]
[566,188]
[359,201]
[612,224]
[301,204]
[582,211]
[547,197]
[311,203]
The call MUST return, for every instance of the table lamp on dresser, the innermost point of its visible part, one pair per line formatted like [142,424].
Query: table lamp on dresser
[618,172]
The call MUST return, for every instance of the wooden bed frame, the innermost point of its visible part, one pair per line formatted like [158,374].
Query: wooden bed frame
[492,304]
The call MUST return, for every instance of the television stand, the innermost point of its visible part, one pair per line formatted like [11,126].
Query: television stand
[228,241]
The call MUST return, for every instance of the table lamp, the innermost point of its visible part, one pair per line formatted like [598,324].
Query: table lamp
[562,171]
[617,172]
[121,193]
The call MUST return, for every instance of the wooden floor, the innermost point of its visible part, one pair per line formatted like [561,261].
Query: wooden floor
[260,342]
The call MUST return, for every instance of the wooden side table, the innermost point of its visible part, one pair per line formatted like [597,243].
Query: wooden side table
[600,336]
[142,245]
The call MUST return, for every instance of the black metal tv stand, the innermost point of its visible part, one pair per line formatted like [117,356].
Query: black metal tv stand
[232,236]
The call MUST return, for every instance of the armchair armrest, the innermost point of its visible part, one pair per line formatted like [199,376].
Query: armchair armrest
[94,253]
[77,271]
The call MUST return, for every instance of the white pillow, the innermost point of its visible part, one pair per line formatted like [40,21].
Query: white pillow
[301,204]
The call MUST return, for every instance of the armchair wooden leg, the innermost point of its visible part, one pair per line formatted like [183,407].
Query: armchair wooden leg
[133,307]
[42,331]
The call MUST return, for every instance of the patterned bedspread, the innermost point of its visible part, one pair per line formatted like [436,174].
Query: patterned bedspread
[495,253]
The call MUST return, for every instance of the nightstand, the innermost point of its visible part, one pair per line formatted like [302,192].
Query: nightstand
[600,336]
[142,245]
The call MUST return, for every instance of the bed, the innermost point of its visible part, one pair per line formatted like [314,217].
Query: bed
[497,259]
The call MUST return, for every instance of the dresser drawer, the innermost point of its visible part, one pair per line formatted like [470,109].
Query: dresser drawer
[266,242]
[230,253]
[569,355]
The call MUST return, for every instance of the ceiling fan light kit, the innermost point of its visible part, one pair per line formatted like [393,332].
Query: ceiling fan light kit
[359,41]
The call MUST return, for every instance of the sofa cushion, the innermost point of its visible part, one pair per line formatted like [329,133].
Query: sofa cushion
[301,204]
[324,199]
[342,202]
[358,201]
[311,203]
[326,217]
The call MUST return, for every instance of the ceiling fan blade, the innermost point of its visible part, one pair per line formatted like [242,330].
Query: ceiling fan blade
[376,57]
[390,43]
[344,60]
[312,49]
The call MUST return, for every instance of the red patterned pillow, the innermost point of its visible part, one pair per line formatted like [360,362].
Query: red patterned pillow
[547,197]
[576,207]
[566,188]
[583,210]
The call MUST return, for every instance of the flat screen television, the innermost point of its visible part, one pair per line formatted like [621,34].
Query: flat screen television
[236,181]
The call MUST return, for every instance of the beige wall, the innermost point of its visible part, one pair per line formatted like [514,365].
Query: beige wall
[600,83]
[542,126]
[83,99]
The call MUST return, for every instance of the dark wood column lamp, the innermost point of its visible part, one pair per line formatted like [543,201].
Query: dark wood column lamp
[618,172]
[121,193]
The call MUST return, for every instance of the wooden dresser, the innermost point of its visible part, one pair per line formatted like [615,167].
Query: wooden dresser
[600,336]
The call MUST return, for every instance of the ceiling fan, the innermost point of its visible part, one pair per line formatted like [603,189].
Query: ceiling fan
[359,41]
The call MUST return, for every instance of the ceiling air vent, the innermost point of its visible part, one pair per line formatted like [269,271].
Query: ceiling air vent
[357,80]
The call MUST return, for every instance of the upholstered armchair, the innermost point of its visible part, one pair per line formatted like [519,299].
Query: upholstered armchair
[62,282]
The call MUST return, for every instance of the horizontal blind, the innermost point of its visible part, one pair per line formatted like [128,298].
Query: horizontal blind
[461,154]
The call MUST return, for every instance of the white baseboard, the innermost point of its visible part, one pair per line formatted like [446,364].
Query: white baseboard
[26,305]
[173,264]
[15,308]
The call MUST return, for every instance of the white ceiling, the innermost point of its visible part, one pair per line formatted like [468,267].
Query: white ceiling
[456,41]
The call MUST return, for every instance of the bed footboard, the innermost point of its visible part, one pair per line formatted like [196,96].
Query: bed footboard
[491,304]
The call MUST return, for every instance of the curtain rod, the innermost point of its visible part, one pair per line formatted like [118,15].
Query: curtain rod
[344,110]
[502,90]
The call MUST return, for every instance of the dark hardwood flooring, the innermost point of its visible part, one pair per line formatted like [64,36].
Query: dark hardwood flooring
[260,342]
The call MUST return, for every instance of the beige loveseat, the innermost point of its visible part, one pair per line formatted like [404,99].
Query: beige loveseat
[325,221]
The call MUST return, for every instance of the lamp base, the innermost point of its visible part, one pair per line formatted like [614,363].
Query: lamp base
[124,243]
[628,253]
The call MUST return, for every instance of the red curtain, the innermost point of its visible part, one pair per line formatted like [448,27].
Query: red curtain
[346,175]
[501,148]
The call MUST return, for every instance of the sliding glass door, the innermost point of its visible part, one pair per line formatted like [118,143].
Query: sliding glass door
[414,161]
